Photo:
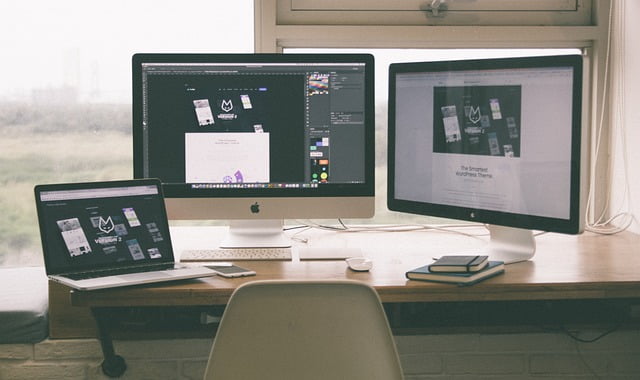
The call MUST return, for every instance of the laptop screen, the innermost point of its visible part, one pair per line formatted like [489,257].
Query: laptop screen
[92,226]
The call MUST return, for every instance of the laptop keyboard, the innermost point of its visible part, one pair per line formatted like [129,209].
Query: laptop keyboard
[117,271]
[236,254]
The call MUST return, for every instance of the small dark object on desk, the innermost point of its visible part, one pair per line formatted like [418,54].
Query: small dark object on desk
[231,270]
[452,263]
[462,278]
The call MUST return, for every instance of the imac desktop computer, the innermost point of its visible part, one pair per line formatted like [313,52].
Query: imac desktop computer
[256,138]
[496,141]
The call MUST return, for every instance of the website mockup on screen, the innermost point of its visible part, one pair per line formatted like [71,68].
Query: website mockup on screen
[486,139]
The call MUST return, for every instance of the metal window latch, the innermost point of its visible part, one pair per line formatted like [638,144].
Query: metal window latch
[436,8]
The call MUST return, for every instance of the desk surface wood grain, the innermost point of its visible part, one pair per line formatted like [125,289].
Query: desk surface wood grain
[586,266]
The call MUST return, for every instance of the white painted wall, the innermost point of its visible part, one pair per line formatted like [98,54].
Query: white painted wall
[626,120]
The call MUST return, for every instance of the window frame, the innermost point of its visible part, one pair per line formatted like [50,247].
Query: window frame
[444,12]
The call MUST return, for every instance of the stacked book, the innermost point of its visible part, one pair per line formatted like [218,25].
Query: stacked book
[461,270]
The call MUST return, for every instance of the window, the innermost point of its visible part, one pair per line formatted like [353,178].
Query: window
[65,99]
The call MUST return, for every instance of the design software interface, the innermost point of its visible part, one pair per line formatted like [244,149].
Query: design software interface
[254,125]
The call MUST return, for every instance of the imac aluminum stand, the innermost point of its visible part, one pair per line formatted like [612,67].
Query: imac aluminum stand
[264,233]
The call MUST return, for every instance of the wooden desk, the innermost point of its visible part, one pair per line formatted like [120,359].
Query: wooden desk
[587,266]
[564,267]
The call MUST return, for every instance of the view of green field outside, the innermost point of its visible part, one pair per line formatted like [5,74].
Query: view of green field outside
[65,92]
[51,144]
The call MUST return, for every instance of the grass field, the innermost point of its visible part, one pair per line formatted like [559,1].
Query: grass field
[30,158]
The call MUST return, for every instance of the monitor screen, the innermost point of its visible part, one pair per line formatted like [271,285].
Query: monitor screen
[256,136]
[495,141]
[87,226]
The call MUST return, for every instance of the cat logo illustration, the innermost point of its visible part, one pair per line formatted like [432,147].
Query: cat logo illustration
[226,105]
[106,226]
[474,115]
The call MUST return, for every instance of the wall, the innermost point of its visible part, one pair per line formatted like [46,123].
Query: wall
[625,94]
[424,357]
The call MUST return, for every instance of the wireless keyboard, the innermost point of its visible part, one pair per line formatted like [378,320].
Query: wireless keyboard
[220,254]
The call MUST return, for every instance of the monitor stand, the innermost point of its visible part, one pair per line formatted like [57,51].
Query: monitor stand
[262,233]
[510,245]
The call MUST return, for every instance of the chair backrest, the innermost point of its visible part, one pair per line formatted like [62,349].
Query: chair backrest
[304,330]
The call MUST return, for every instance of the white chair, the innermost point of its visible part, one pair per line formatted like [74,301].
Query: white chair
[304,330]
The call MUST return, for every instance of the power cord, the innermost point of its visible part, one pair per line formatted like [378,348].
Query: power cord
[392,228]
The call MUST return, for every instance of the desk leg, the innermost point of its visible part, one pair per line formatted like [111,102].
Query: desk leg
[113,365]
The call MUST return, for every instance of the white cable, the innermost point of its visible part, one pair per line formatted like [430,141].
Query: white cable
[449,228]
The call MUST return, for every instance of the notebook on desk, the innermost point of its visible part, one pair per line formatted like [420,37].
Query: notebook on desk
[108,234]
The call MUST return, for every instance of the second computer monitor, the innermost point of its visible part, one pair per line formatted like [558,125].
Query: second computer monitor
[496,141]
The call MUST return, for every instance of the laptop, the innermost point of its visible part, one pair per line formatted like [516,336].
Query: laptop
[108,234]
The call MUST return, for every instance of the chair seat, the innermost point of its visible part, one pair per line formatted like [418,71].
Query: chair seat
[304,330]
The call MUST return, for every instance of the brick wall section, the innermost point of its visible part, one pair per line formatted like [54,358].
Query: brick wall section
[521,356]
[424,357]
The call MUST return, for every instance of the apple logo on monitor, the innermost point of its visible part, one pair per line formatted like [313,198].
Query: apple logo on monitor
[255,208]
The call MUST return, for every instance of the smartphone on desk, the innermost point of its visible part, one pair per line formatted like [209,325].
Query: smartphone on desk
[231,270]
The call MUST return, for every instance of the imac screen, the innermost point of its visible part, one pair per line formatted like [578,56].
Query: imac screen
[494,140]
[256,136]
